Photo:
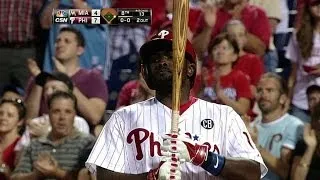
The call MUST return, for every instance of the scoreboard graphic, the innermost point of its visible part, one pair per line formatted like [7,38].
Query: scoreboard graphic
[109,16]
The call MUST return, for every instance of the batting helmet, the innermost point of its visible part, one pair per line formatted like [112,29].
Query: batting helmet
[161,42]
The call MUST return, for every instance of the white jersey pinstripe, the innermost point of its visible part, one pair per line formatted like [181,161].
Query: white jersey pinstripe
[124,144]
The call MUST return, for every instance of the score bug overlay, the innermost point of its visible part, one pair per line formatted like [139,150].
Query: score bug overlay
[110,16]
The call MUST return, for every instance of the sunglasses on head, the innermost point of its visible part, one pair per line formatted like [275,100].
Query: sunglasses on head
[17,101]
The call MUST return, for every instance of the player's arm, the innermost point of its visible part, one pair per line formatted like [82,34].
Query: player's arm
[103,174]
[242,155]
[281,165]
[215,164]
[234,168]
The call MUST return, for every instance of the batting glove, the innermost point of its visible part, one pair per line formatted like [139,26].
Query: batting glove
[187,150]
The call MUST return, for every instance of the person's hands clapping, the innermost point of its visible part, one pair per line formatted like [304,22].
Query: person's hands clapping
[46,165]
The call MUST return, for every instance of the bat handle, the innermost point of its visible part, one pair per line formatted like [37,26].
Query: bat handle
[175,162]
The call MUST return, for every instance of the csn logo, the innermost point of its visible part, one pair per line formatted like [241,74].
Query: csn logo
[207,123]
[61,13]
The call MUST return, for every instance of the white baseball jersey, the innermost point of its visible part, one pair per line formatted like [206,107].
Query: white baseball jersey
[130,141]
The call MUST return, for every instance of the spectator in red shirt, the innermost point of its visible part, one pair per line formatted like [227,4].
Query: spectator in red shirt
[222,84]
[12,113]
[248,63]
[134,91]
[215,18]
[162,23]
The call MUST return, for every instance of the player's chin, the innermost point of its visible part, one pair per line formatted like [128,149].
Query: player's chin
[163,85]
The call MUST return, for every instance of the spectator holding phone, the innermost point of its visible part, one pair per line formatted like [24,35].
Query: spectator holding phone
[303,52]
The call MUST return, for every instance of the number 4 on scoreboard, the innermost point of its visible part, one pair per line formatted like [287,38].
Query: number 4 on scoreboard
[95,12]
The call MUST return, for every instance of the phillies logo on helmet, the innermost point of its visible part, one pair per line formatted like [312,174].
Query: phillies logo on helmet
[163,33]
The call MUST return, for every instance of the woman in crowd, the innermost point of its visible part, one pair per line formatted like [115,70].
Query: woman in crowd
[12,113]
[304,52]
[221,83]
[306,161]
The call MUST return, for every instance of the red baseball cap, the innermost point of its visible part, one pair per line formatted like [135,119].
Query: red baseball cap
[163,42]
[313,2]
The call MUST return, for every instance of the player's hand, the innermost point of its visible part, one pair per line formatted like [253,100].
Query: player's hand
[59,66]
[165,171]
[185,149]
[33,67]
[46,164]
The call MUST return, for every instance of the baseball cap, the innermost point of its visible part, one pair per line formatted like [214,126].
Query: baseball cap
[44,76]
[13,88]
[163,41]
[313,2]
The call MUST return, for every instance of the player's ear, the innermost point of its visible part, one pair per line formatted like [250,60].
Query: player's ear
[191,69]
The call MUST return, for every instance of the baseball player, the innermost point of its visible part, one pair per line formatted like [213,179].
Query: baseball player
[213,142]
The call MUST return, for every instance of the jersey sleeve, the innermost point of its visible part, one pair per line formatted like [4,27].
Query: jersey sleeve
[292,133]
[108,151]
[239,142]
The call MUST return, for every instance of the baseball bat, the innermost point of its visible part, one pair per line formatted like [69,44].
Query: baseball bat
[179,25]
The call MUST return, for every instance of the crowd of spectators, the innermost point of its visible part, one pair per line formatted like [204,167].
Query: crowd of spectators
[59,82]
